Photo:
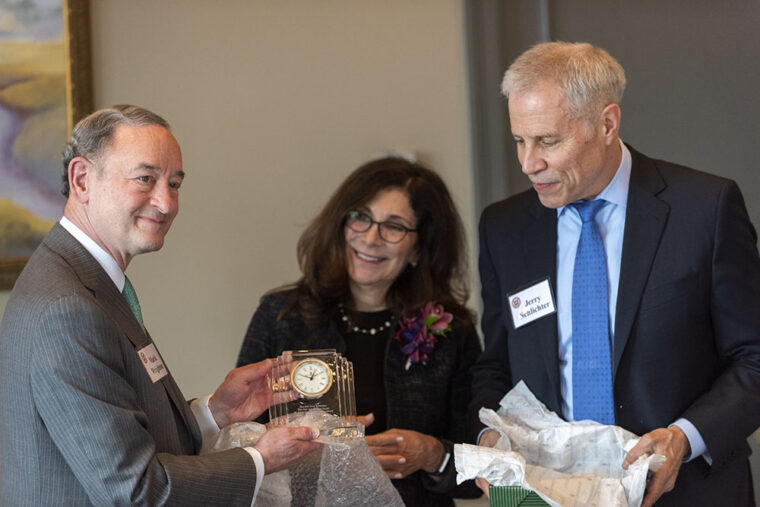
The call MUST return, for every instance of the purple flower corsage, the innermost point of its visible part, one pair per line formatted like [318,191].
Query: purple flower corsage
[417,335]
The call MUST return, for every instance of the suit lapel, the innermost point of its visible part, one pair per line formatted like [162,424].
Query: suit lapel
[97,281]
[540,243]
[178,399]
[645,220]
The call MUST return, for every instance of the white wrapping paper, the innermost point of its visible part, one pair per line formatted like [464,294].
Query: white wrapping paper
[566,464]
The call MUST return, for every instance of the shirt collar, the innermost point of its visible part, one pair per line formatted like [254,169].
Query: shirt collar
[616,190]
[107,262]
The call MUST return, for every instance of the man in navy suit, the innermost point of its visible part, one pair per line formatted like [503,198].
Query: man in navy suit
[683,281]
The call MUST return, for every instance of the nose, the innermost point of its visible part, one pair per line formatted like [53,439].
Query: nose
[372,235]
[165,200]
[531,160]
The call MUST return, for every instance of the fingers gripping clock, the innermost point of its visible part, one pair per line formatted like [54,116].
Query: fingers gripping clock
[311,378]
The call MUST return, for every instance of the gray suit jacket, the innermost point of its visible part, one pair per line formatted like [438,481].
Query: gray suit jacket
[80,420]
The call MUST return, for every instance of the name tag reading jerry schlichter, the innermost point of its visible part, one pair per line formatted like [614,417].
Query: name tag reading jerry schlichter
[531,303]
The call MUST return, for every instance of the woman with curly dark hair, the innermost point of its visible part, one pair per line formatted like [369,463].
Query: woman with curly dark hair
[384,283]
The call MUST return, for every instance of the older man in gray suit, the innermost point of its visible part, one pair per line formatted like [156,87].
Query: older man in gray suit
[89,413]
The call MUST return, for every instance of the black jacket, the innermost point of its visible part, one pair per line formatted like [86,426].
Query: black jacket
[687,329]
[430,399]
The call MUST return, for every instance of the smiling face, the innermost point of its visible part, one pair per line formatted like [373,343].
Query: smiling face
[566,159]
[374,264]
[129,195]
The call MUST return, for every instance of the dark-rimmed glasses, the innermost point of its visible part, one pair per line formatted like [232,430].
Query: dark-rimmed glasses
[392,232]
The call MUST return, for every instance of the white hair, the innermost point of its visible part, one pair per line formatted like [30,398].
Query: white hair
[589,76]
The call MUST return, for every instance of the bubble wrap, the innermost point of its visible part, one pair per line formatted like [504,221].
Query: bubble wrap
[345,473]
[350,475]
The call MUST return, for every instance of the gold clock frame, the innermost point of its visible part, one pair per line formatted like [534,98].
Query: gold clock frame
[323,365]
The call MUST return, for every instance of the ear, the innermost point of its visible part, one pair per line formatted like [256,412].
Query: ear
[611,123]
[80,172]
[415,256]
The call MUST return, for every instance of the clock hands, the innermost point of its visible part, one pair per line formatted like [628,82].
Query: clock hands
[311,378]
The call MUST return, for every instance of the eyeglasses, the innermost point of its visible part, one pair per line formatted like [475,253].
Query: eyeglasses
[391,232]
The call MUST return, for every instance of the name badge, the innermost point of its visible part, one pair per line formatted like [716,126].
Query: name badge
[152,362]
[531,303]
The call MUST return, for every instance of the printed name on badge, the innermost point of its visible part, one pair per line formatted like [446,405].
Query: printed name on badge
[152,362]
[531,303]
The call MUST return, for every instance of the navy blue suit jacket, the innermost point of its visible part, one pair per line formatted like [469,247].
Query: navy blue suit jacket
[687,330]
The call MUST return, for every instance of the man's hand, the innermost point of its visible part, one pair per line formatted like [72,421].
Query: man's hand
[245,394]
[487,439]
[669,442]
[283,447]
[402,452]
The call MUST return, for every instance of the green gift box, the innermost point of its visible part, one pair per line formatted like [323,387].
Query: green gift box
[513,496]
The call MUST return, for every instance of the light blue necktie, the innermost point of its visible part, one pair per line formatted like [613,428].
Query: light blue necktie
[131,296]
[592,367]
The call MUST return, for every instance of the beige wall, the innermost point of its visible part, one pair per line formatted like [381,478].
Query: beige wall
[273,104]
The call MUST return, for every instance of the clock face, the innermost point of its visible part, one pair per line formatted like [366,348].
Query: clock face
[311,378]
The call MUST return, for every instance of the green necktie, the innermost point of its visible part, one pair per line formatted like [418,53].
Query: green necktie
[134,304]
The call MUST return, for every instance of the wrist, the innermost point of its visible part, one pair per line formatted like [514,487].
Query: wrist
[683,440]
[438,456]
[444,463]
[488,438]
[217,414]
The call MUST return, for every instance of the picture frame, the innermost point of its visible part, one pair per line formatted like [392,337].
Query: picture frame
[77,83]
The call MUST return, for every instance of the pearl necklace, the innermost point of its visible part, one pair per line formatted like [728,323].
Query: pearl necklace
[356,329]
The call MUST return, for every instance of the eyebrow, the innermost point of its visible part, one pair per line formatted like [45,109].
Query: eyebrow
[537,136]
[367,211]
[151,167]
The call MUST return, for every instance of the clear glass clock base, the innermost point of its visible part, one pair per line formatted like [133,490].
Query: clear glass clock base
[317,382]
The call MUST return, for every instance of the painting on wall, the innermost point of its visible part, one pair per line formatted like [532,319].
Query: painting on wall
[45,87]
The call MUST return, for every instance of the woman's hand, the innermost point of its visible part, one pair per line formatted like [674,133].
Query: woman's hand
[366,420]
[402,452]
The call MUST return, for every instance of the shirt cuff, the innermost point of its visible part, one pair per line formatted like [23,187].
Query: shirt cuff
[209,432]
[206,422]
[696,442]
[259,462]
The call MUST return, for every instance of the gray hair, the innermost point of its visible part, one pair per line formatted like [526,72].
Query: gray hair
[589,76]
[92,134]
